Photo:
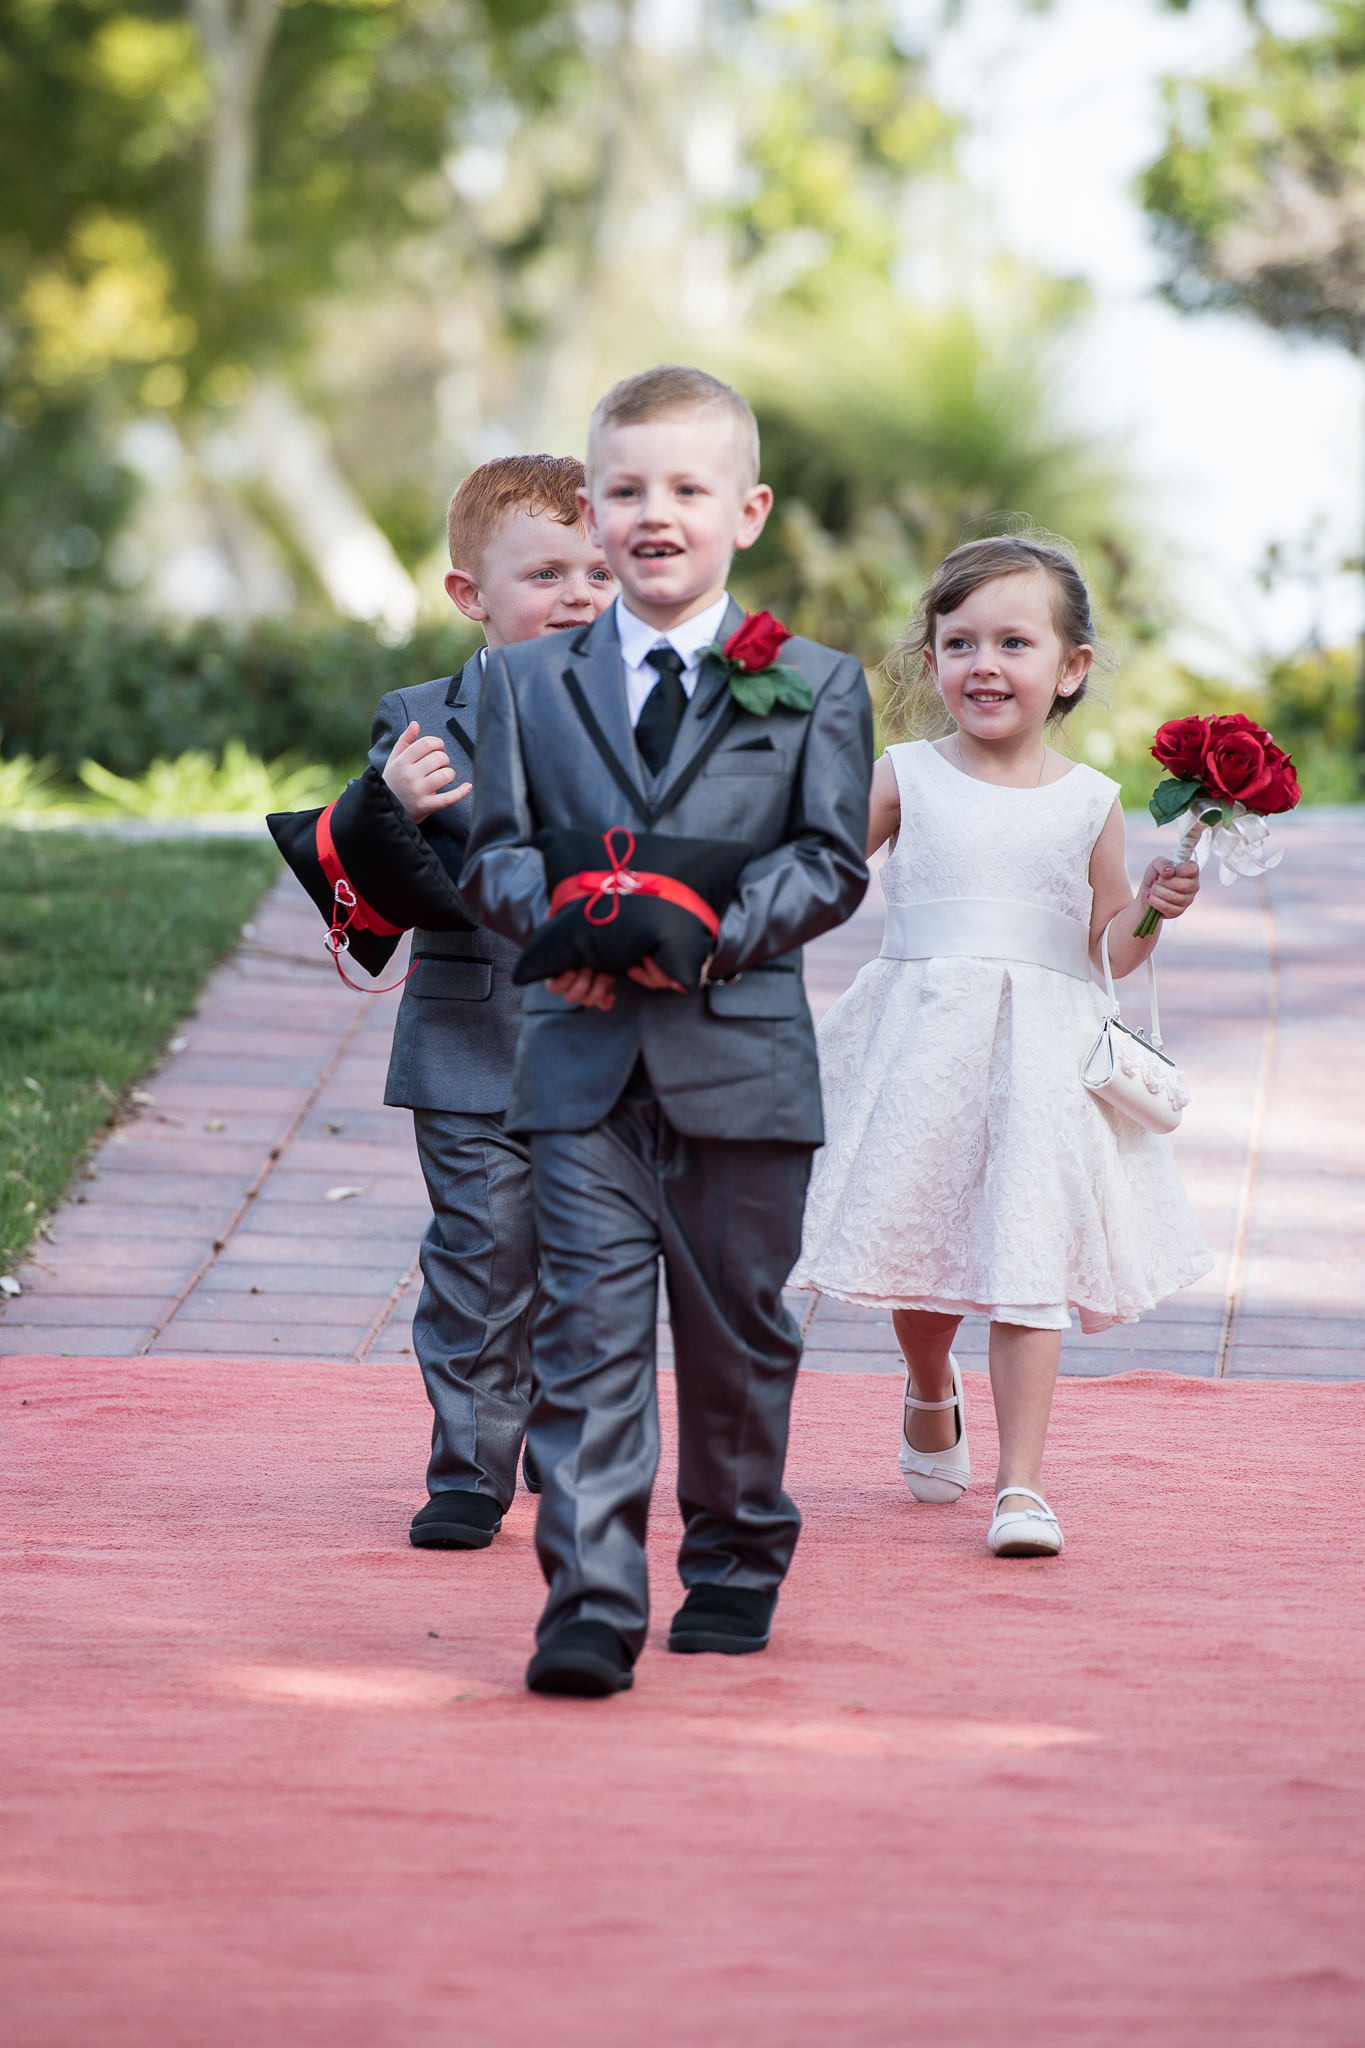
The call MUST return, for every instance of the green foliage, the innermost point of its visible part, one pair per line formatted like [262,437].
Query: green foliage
[195,786]
[1307,704]
[116,295]
[106,946]
[1312,709]
[26,785]
[845,120]
[88,680]
[107,127]
[1259,192]
[889,437]
[1171,797]
[1259,199]
[761,691]
[64,495]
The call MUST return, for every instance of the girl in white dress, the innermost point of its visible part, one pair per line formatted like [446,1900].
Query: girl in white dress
[966,1169]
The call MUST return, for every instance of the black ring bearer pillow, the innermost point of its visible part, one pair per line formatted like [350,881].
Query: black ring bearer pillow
[371,871]
[617,898]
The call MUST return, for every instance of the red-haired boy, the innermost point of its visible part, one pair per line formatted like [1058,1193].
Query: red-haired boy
[521,566]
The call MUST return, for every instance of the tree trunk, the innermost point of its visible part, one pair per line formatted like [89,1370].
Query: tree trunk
[236,35]
[350,556]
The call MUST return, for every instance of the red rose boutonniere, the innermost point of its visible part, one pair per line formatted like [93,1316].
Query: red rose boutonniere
[758,681]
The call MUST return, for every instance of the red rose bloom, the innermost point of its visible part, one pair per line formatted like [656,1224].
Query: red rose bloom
[1283,793]
[1179,746]
[755,644]
[1240,760]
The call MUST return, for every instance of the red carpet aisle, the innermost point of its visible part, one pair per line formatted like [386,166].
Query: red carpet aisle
[271,1778]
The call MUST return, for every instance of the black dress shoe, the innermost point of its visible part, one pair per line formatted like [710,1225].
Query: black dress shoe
[530,1471]
[733,1620]
[456,1521]
[586,1658]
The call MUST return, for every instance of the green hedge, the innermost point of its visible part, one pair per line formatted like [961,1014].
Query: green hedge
[1315,704]
[85,679]
[89,679]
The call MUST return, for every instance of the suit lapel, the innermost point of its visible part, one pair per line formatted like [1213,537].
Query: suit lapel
[462,705]
[598,683]
[710,706]
[712,684]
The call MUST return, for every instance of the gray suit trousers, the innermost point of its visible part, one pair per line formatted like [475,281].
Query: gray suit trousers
[471,1328]
[726,1217]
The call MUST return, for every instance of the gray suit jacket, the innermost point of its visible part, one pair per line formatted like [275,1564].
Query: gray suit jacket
[456,1032]
[732,1061]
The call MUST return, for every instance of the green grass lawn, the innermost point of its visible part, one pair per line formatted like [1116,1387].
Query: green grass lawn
[104,947]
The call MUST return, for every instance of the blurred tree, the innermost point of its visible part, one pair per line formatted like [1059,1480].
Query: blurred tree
[178,184]
[707,164]
[333,252]
[744,196]
[1259,193]
[891,434]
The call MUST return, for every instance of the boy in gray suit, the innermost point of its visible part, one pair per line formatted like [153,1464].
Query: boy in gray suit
[521,566]
[663,1121]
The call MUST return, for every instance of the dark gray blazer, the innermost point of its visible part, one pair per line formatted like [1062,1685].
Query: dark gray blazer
[456,1033]
[734,1061]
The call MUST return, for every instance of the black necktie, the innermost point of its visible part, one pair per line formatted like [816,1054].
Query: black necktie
[657,726]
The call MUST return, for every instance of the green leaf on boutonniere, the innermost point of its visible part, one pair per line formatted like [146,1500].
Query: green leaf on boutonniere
[1169,799]
[762,690]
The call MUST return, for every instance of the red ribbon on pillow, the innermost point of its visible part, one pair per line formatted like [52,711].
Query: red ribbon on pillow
[358,911]
[604,887]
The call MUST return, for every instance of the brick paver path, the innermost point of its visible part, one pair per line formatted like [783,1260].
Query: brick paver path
[260,1201]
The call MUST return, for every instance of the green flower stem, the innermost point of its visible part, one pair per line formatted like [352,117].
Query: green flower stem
[1197,821]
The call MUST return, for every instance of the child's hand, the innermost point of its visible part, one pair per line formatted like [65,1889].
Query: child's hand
[415,772]
[649,974]
[585,987]
[1170,890]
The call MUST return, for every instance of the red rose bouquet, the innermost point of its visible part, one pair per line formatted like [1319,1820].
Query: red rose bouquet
[1225,776]
[757,679]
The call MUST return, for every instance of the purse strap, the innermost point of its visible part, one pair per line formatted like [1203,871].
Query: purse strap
[1154,1028]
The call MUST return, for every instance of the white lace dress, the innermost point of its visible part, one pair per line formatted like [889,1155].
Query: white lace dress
[966,1168]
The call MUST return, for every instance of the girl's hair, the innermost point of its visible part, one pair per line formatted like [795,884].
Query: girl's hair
[914,704]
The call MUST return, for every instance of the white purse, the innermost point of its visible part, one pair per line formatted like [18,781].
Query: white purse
[1132,1073]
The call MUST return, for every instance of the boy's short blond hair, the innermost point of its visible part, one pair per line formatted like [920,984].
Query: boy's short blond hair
[511,483]
[674,388]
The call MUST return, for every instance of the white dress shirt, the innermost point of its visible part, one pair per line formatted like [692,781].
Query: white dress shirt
[688,639]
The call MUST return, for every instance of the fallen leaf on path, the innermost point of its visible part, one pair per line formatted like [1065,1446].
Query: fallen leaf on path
[177,1045]
[141,1097]
[215,1124]
[341,1194]
[9,1286]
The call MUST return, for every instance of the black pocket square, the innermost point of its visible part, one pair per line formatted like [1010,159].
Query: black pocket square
[762,745]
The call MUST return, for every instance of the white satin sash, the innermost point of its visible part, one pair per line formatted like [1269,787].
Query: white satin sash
[978,928]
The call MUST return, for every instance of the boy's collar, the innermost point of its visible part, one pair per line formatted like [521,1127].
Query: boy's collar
[455,689]
[687,638]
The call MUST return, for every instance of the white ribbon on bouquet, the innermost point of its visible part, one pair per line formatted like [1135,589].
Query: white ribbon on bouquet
[1238,841]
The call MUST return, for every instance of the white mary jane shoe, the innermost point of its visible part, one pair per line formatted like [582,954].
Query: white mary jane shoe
[937,1475]
[1024,1532]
